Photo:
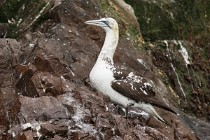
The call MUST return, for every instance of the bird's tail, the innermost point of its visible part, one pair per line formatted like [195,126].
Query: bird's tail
[151,110]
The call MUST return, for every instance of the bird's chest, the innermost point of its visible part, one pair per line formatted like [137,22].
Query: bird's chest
[101,75]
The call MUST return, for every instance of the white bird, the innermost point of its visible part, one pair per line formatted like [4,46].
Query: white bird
[122,87]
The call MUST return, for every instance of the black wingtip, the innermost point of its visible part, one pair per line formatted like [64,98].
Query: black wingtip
[170,109]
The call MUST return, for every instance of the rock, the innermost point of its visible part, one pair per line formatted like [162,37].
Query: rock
[45,92]
[18,22]
[27,135]
[57,127]
[47,84]
[3,29]
[57,137]
[43,108]
[24,84]
[123,9]
[166,19]
[169,58]
[9,105]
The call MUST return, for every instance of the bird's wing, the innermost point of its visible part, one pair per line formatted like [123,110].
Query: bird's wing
[134,87]
[120,73]
[139,89]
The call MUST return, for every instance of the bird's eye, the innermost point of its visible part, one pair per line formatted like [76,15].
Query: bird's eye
[107,23]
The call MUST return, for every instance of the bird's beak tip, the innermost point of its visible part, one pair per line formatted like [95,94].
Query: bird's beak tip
[92,22]
[88,22]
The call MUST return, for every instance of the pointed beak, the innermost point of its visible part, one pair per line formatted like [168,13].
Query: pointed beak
[94,22]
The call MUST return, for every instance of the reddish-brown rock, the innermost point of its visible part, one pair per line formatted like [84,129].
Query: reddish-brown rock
[45,92]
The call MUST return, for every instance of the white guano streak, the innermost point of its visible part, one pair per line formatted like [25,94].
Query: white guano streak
[177,77]
[184,53]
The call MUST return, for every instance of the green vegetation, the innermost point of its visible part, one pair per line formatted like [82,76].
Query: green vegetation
[182,19]
[16,13]
[128,32]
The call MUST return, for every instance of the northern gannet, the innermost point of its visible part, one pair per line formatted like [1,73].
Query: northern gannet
[122,87]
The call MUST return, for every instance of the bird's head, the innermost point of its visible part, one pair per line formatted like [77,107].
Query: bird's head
[108,24]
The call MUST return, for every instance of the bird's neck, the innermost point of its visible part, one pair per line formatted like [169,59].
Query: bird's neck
[110,45]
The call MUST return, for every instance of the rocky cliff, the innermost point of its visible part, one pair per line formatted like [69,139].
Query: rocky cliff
[47,53]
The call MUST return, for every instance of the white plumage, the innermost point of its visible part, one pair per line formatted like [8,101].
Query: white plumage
[137,90]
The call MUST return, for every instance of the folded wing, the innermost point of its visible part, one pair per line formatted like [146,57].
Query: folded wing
[139,89]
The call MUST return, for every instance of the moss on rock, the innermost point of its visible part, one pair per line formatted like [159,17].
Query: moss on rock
[179,19]
[16,13]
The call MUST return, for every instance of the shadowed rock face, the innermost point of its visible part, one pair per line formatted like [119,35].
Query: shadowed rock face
[45,92]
